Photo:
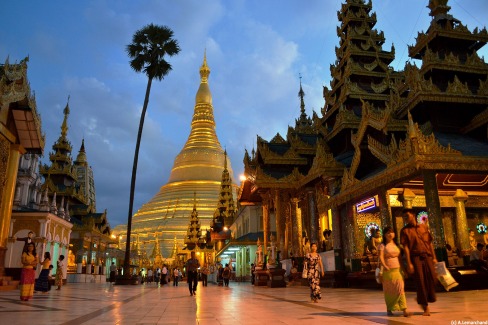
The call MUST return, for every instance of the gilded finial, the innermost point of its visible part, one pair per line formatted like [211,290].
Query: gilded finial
[64,126]
[225,159]
[204,69]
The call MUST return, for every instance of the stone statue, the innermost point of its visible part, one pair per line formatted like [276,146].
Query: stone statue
[259,256]
[272,253]
[472,240]
[376,241]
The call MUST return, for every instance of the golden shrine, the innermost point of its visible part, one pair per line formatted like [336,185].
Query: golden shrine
[386,140]
[197,169]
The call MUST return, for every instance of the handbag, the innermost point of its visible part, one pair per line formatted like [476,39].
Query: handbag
[444,276]
[305,271]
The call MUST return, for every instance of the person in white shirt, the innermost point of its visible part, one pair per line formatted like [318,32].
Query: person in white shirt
[176,274]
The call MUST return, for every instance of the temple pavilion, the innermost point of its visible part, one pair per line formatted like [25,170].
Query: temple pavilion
[385,140]
[197,170]
[20,133]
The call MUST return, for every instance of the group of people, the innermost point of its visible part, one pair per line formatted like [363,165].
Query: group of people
[416,241]
[28,282]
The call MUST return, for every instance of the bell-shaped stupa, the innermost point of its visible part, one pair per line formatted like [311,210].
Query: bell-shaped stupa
[196,173]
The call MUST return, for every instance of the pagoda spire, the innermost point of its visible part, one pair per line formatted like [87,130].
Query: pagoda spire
[156,249]
[225,159]
[303,124]
[225,211]
[64,126]
[81,158]
[203,124]
[174,252]
[301,94]
[193,233]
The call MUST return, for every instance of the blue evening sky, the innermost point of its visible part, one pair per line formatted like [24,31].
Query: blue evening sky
[255,50]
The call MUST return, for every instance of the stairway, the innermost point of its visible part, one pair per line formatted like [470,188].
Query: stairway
[7,284]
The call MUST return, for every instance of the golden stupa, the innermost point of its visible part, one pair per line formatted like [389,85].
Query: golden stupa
[197,172]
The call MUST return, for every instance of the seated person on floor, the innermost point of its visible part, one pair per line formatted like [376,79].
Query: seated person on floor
[476,259]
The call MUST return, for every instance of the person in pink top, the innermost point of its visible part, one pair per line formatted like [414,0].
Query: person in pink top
[393,285]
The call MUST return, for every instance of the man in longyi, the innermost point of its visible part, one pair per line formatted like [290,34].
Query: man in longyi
[419,251]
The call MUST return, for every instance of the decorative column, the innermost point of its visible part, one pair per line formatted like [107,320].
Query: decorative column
[266,232]
[297,227]
[434,210]
[278,217]
[336,239]
[43,227]
[314,221]
[9,165]
[288,226]
[460,198]
[385,211]
[357,243]
[408,197]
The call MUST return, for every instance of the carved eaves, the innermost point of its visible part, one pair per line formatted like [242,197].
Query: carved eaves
[483,89]
[458,31]
[290,157]
[477,121]
[297,143]
[418,144]
[457,87]
[345,116]
[278,139]
[324,164]
[380,151]
[264,180]
[14,87]
[348,180]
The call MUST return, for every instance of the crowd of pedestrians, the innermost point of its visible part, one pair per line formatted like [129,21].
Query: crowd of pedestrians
[413,256]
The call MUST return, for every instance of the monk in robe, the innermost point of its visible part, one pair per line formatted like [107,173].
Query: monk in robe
[419,251]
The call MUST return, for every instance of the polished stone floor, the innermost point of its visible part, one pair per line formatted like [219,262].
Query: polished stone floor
[240,303]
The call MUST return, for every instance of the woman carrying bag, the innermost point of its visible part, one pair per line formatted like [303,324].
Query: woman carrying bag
[392,279]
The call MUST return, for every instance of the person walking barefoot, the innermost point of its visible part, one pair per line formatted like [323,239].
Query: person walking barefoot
[58,280]
[416,240]
[393,284]
[314,263]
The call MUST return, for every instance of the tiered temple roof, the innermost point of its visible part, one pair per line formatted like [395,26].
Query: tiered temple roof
[291,162]
[61,176]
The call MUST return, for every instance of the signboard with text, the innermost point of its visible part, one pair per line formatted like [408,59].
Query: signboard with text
[366,205]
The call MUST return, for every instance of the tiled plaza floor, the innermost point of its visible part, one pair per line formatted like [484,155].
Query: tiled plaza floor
[240,303]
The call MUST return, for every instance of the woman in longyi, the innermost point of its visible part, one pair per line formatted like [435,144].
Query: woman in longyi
[28,275]
[393,284]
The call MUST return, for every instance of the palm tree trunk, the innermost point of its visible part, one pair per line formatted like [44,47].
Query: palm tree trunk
[133,181]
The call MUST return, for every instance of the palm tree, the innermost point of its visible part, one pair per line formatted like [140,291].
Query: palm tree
[149,46]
